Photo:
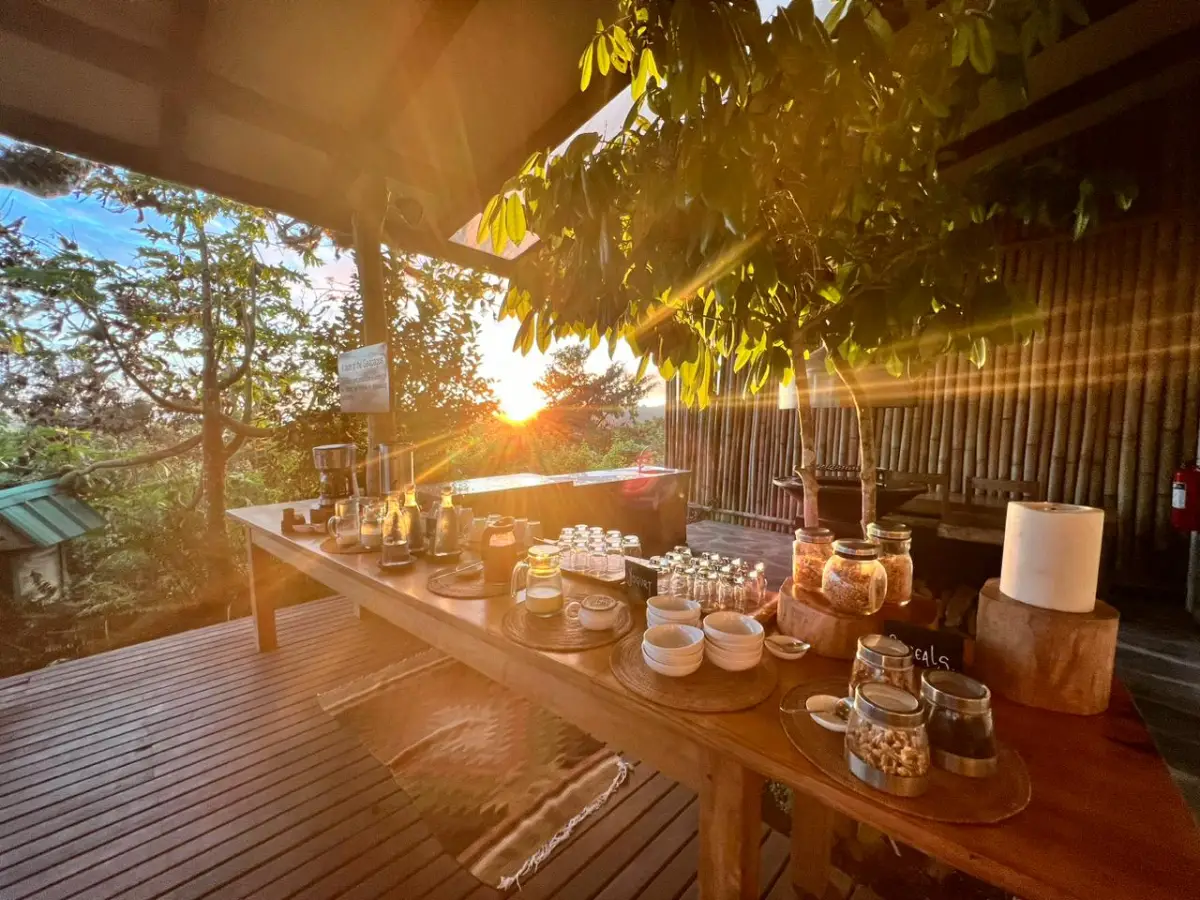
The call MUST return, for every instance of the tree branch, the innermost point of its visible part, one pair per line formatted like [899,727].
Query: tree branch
[165,402]
[250,330]
[250,431]
[70,477]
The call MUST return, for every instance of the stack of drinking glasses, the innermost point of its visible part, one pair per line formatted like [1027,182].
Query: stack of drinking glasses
[590,550]
[714,581]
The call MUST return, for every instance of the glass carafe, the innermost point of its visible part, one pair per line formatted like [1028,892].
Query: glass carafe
[346,523]
[413,522]
[540,576]
[445,529]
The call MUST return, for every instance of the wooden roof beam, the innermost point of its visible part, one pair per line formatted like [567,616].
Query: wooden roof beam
[184,40]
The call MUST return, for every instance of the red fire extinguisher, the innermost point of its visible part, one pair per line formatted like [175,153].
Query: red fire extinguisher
[1185,497]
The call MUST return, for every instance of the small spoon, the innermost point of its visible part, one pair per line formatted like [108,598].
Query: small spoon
[787,647]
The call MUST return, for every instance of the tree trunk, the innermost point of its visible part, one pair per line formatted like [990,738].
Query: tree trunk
[808,435]
[212,432]
[866,438]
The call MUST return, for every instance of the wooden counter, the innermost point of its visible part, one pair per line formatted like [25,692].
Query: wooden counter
[1106,821]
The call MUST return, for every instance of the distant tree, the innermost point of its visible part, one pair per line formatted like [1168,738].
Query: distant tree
[582,400]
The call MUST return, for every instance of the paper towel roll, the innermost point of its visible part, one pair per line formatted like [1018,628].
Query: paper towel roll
[1052,555]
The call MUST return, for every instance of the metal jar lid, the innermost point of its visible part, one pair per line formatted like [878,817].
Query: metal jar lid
[889,531]
[855,549]
[814,535]
[884,704]
[954,691]
[884,652]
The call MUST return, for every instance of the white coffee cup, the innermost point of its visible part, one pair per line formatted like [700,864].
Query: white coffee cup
[595,612]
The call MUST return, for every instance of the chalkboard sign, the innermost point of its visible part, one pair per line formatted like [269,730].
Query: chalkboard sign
[641,581]
[931,649]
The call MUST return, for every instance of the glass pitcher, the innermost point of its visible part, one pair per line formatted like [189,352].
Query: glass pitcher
[345,524]
[540,575]
[445,529]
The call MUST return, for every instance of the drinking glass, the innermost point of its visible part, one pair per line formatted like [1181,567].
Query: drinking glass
[615,563]
[597,563]
[345,524]
[681,581]
[373,512]
[631,545]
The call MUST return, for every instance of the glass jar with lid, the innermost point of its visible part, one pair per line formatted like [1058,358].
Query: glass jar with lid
[853,581]
[895,546]
[883,659]
[961,733]
[810,550]
[886,742]
[631,545]
[540,576]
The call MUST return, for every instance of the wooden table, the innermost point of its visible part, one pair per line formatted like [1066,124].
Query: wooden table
[1106,821]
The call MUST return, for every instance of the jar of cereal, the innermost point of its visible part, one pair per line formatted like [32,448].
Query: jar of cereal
[886,743]
[852,580]
[812,547]
[883,659]
[895,544]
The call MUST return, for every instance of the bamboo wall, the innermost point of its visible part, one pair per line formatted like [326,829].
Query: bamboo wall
[1100,407]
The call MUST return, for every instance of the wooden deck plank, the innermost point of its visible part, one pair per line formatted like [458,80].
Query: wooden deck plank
[194,766]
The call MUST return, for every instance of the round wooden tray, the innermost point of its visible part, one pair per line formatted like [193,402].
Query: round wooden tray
[834,634]
[950,798]
[329,545]
[473,587]
[708,689]
[560,634]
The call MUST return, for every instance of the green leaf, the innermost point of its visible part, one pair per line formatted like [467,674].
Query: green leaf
[934,105]
[17,343]
[515,219]
[834,15]
[485,221]
[585,64]
[961,45]
[987,51]
[979,352]
[894,366]
[602,55]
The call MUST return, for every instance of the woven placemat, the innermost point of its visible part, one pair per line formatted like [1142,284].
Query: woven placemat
[329,545]
[560,634]
[708,689]
[950,798]
[445,584]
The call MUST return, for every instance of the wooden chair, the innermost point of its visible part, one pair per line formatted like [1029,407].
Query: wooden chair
[1007,489]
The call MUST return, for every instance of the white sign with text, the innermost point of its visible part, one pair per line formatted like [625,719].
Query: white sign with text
[363,380]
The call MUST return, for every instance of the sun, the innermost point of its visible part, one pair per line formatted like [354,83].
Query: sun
[519,404]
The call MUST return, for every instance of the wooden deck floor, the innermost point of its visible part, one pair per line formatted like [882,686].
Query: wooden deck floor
[194,766]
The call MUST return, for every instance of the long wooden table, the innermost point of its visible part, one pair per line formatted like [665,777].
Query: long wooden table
[1106,821]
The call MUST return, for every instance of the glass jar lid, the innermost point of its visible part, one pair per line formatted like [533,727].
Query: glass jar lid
[889,531]
[855,549]
[955,691]
[884,652]
[885,704]
[814,535]
[544,554]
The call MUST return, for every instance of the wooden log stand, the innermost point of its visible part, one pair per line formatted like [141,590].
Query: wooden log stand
[809,616]
[1043,657]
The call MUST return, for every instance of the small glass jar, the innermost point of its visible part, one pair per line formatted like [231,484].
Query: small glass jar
[681,581]
[663,569]
[374,512]
[615,562]
[631,545]
[579,554]
[886,743]
[597,558]
[613,535]
[852,580]
[883,659]
[811,549]
[709,592]
[684,551]
[895,546]
[725,593]
[961,733]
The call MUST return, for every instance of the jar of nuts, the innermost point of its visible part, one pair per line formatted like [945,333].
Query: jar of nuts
[852,580]
[886,743]
[960,723]
[885,660]
[812,547]
[895,544]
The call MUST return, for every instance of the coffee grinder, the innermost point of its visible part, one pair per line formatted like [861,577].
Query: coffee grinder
[336,465]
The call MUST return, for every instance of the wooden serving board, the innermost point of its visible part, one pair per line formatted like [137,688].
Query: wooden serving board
[834,634]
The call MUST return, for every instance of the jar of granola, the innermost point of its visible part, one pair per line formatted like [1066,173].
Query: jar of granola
[883,659]
[895,544]
[852,580]
[812,547]
[886,743]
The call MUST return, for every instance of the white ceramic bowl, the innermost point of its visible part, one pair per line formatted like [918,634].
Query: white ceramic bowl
[674,639]
[653,618]
[733,631]
[732,662]
[671,671]
[673,657]
[673,609]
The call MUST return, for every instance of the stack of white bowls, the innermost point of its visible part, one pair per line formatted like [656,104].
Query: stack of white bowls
[667,609]
[733,641]
[673,650]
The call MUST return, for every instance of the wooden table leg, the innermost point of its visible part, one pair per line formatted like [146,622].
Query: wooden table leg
[730,828]
[261,594]
[813,832]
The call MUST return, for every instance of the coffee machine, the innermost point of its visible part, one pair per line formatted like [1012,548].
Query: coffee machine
[336,466]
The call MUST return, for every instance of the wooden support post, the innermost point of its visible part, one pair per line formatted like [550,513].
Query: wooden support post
[730,827]
[258,567]
[370,206]
[814,827]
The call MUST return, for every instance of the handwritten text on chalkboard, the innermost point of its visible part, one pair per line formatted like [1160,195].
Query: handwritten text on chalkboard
[931,649]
